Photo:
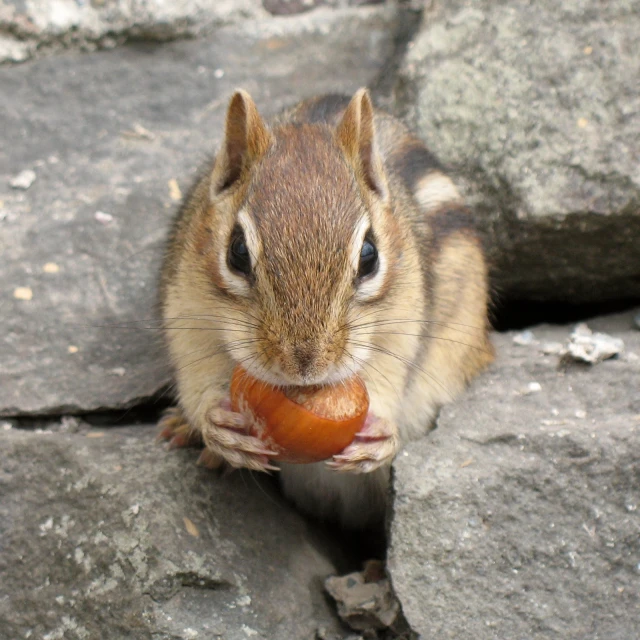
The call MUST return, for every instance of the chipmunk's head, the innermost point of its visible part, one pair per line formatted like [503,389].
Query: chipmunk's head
[304,246]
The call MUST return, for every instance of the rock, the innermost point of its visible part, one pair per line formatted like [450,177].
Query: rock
[533,105]
[364,598]
[519,516]
[586,346]
[290,7]
[115,137]
[524,338]
[106,535]
[28,28]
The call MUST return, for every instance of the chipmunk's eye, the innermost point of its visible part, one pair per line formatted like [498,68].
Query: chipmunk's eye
[368,264]
[238,255]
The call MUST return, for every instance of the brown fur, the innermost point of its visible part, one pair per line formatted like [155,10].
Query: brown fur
[303,184]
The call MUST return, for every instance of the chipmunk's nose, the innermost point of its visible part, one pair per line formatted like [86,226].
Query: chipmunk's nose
[304,354]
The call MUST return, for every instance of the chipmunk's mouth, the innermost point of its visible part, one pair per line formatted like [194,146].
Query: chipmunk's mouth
[277,376]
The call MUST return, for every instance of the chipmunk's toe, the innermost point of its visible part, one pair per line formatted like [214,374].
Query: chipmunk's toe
[227,435]
[373,447]
[175,428]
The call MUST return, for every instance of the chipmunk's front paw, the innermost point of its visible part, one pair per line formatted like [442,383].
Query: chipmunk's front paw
[175,428]
[227,435]
[374,446]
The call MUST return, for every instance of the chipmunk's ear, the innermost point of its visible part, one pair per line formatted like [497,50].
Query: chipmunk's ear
[356,136]
[246,140]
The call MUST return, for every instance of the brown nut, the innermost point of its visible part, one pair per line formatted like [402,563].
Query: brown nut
[304,424]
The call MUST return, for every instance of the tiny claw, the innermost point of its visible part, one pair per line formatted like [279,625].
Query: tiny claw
[209,459]
[225,404]
[374,446]
[175,428]
[178,441]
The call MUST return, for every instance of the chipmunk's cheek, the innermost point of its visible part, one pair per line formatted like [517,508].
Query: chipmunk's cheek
[374,446]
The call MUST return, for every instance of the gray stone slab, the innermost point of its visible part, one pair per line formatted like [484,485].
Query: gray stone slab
[109,536]
[519,517]
[108,133]
[27,28]
[534,105]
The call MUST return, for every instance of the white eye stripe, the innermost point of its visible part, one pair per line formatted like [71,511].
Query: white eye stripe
[356,241]
[371,286]
[236,283]
[252,239]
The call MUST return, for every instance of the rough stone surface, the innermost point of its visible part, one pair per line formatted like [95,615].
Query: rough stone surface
[519,517]
[290,7]
[27,27]
[110,537]
[113,138]
[535,105]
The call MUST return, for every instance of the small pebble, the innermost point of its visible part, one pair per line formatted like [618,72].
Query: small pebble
[174,190]
[524,339]
[586,346]
[191,527]
[23,180]
[103,218]
[23,293]
[218,73]
[534,387]
[581,414]
[552,348]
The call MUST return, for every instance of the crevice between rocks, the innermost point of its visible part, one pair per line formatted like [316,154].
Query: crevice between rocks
[409,19]
[144,411]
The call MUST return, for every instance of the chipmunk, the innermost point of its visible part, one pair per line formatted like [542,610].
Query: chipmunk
[324,244]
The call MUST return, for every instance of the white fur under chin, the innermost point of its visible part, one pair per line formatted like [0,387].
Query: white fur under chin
[354,500]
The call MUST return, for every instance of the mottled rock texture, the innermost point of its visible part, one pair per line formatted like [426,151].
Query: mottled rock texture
[535,105]
[31,26]
[519,516]
[106,535]
[114,138]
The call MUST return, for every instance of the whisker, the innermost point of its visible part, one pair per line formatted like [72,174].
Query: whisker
[449,325]
[365,363]
[228,347]
[222,318]
[233,345]
[404,360]
[421,335]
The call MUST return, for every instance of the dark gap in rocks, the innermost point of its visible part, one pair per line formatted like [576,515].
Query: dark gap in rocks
[408,24]
[356,546]
[148,411]
[197,581]
[520,314]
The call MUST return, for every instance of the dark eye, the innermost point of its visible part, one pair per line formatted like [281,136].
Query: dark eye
[368,258]
[238,256]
